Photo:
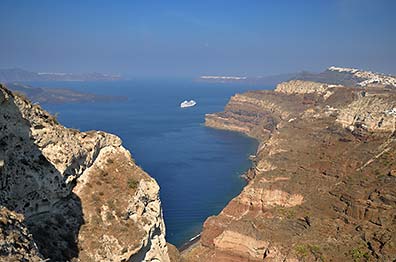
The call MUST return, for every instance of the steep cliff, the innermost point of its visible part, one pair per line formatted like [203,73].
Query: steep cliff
[82,196]
[16,244]
[323,184]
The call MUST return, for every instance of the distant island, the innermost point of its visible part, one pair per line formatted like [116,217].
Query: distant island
[252,80]
[45,95]
[224,77]
[16,74]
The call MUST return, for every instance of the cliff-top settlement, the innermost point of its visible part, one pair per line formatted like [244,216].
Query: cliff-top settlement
[323,185]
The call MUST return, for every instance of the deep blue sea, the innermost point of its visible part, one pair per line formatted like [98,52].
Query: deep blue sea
[197,168]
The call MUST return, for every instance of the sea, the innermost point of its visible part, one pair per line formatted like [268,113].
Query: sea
[198,168]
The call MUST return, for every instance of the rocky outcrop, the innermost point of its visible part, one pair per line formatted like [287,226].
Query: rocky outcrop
[16,244]
[249,113]
[322,187]
[305,87]
[372,112]
[82,195]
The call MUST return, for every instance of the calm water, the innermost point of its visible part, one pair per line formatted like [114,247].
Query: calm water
[198,168]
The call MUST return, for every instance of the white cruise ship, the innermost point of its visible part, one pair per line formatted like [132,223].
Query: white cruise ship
[188,103]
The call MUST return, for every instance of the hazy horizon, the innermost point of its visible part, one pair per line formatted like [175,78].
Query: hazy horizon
[183,38]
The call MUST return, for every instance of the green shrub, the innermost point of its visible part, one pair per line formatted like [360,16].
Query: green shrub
[358,254]
[132,183]
[109,215]
[301,250]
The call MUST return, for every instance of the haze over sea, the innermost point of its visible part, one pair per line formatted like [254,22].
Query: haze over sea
[197,168]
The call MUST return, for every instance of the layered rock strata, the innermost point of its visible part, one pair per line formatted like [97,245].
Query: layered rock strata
[323,184]
[82,196]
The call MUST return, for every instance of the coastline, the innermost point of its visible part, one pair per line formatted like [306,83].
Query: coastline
[81,117]
[248,175]
[190,244]
[298,183]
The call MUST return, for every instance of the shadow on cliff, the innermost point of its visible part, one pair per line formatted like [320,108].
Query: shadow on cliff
[31,185]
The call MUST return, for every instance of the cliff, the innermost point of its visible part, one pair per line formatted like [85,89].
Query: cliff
[323,184]
[72,196]
[16,243]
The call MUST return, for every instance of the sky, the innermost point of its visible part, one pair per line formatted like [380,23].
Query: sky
[192,38]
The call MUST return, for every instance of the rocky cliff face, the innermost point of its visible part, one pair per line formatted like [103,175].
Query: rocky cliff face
[372,112]
[16,244]
[323,184]
[81,195]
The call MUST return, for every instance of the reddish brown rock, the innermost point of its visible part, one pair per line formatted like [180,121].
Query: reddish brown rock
[322,188]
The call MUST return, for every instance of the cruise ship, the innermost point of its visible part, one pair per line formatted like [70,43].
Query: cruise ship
[188,103]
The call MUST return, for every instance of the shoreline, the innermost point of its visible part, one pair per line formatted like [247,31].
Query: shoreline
[194,241]
[189,244]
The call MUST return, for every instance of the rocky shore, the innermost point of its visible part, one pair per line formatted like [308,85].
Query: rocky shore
[58,188]
[323,184]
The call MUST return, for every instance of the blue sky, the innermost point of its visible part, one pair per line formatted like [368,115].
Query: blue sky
[190,38]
